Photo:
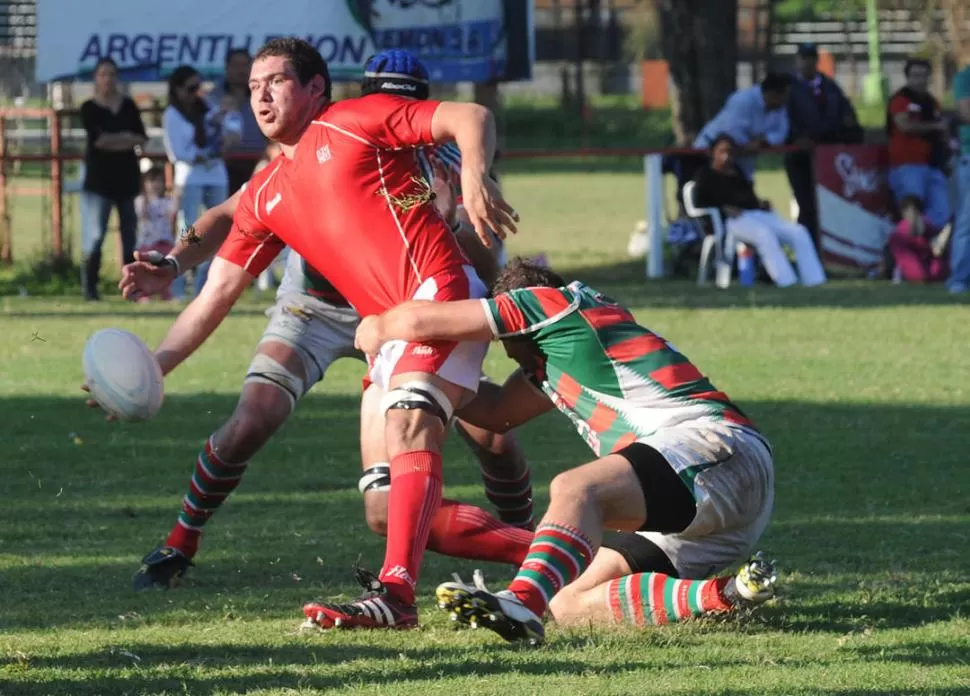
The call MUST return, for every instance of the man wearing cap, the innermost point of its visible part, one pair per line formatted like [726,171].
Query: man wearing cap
[819,114]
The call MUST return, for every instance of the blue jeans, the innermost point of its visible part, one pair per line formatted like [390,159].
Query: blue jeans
[193,198]
[95,211]
[926,183]
[960,249]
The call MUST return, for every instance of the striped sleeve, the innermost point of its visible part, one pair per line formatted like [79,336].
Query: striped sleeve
[528,310]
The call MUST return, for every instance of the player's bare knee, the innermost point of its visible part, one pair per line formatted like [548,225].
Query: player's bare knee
[415,415]
[410,430]
[572,485]
[375,512]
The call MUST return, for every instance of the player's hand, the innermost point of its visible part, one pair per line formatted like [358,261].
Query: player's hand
[485,207]
[368,339]
[443,187]
[144,277]
[91,403]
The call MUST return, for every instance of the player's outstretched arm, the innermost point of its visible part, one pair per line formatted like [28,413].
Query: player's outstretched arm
[226,282]
[499,410]
[148,275]
[417,322]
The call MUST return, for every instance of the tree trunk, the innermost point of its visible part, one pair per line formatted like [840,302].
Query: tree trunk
[957,14]
[851,85]
[699,40]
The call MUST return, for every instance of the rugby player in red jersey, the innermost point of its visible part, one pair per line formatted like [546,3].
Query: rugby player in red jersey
[310,327]
[347,196]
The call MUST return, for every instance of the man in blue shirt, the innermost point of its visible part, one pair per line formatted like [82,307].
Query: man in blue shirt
[754,118]
[959,280]
[819,114]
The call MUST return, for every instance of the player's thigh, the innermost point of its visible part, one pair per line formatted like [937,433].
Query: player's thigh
[733,479]
[609,483]
[373,447]
[302,340]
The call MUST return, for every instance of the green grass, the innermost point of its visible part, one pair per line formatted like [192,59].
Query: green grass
[862,388]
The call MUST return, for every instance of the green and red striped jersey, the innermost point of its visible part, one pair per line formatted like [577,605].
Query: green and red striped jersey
[614,379]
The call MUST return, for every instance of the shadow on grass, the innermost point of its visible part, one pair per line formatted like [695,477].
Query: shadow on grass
[628,284]
[855,500]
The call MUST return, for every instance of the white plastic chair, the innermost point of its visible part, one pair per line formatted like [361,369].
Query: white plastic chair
[715,245]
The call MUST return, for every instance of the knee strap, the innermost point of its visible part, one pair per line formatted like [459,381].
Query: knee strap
[265,370]
[376,478]
[419,395]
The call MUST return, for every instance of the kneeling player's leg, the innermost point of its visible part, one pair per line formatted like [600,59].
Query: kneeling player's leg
[457,529]
[631,580]
[583,500]
[605,492]
[669,572]
[505,471]
[274,382]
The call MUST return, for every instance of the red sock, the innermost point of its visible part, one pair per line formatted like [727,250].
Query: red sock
[466,531]
[412,503]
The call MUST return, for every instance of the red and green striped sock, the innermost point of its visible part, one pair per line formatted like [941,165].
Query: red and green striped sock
[211,484]
[655,598]
[558,555]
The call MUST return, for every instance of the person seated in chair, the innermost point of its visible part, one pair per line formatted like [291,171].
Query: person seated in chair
[748,219]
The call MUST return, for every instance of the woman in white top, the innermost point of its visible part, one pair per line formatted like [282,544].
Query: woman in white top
[194,145]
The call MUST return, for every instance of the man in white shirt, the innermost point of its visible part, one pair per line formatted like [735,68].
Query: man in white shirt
[754,118]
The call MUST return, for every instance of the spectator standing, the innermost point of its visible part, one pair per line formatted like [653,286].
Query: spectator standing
[113,126]
[819,114]
[959,280]
[193,141]
[919,145]
[241,132]
[722,184]
[754,118]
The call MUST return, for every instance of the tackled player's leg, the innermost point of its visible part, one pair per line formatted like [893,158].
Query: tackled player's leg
[425,383]
[457,529]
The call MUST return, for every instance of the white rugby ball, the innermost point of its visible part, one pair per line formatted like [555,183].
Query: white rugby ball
[123,374]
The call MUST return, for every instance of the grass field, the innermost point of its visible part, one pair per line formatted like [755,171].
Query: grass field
[863,388]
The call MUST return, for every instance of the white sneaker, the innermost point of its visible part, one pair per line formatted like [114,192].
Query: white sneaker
[755,581]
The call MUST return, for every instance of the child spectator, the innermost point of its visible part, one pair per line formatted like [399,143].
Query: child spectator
[156,214]
[918,247]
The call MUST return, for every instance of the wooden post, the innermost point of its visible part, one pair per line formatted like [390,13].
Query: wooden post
[57,184]
[6,252]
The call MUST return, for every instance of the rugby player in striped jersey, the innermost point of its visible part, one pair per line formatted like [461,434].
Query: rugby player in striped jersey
[681,469]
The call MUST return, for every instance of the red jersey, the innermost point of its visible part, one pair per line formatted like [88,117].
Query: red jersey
[353,203]
[906,148]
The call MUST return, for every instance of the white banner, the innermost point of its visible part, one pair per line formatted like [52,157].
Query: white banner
[458,39]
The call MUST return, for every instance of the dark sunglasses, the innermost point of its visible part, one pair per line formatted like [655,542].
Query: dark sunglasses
[194,87]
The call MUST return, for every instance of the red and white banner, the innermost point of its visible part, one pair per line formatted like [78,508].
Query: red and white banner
[855,206]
